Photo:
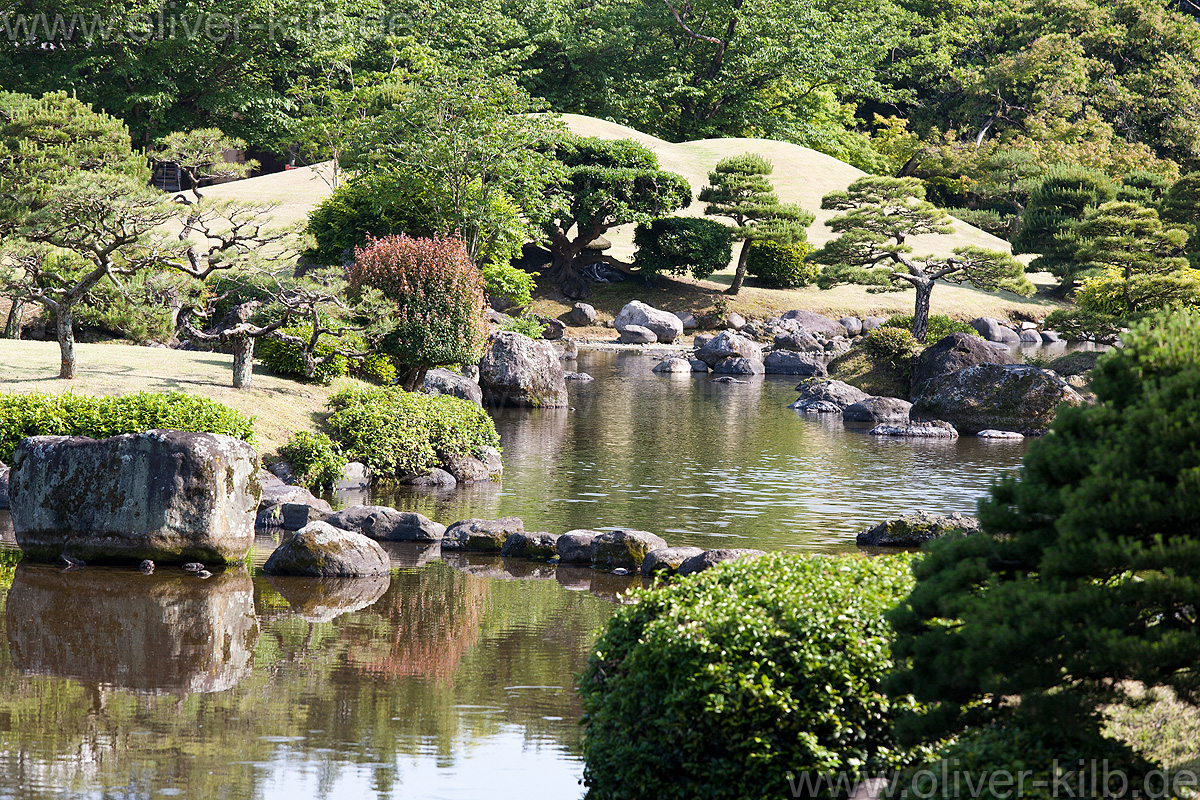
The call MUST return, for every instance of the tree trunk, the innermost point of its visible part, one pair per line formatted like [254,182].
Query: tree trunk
[412,379]
[564,272]
[66,341]
[740,275]
[12,328]
[243,361]
[921,312]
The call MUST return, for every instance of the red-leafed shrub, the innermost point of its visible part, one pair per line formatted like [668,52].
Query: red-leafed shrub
[439,297]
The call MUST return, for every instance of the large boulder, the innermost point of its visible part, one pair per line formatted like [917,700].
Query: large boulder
[913,530]
[877,410]
[667,559]
[674,366]
[623,549]
[1010,397]
[826,396]
[800,341]
[636,334]
[384,524]
[710,558]
[167,496]
[665,325]
[789,362]
[443,381]
[738,366]
[815,323]
[728,344]
[995,331]
[952,353]
[575,547]
[320,550]
[853,325]
[481,535]
[518,371]
[530,544]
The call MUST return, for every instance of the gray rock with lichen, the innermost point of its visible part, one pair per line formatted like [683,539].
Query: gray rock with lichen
[913,530]
[319,550]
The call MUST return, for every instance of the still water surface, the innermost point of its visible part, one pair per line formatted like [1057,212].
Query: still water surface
[452,678]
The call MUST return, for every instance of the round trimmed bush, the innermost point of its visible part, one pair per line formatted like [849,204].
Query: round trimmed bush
[374,204]
[895,347]
[781,266]
[314,459]
[401,433]
[735,682]
[678,245]
[514,286]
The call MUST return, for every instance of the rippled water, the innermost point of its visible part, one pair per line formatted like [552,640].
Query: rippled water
[453,677]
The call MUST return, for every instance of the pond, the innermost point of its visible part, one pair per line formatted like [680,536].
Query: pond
[453,678]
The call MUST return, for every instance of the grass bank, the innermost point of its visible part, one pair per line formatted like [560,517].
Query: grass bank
[279,405]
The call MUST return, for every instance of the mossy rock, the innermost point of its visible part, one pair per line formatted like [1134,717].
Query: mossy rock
[859,369]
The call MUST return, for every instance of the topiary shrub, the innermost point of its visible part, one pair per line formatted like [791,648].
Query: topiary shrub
[24,415]
[439,301]
[679,245]
[940,326]
[742,680]
[514,287]
[374,204]
[895,347]
[781,266]
[314,458]
[401,433]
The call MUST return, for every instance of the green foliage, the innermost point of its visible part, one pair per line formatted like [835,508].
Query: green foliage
[1062,198]
[1180,207]
[200,155]
[893,346]
[526,324]
[438,294]
[503,280]
[986,219]
[315,459]
[67,414]
[371,205]
[138,310]
[1085,565]
[940,325]
[682,245]
[781,266]
[1142,187]
[732,682]
[286,358]
[401,433]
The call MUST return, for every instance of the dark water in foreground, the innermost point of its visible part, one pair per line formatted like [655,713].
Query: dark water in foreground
[452,678]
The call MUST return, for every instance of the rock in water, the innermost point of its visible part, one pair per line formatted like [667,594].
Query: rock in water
[826,396]
[518,371]
[1010,397]
[530,545]
[481,535]
[665,326]
[443,381]
[937,429]
[727,344]
[877,410]
[575,547]
[790,362]
[710,558]
[320,550]
[623,548]
[4,470]
[913,530]
[384,524]
[167,496]
[952,353]
[667,559]
[674,366]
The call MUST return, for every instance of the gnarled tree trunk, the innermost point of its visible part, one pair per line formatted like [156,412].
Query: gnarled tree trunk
[66,342]
[12,327]
[921,311]
[740,275]
[243,361]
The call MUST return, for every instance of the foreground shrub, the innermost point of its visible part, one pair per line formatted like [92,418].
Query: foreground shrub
[739,680]
[439,301]
[514,287]
[781,266]
[1081,593]
[401,433]
[678,245]
[24,415]
[316,461]
[940,326]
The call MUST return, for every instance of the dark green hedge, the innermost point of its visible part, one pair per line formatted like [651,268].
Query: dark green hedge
[781,266]
[24,415]
[731,683]
[678,245]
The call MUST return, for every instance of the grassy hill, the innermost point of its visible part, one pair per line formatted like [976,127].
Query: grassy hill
[801,176]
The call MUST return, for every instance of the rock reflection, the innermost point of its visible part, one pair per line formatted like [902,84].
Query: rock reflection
[167,632]
[326,599]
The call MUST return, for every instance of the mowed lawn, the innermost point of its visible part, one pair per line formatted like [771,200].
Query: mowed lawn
[279,405]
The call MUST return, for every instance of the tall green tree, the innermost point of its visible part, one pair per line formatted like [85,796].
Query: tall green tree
[1060,201]
[1181,207]
[602,184]
[740,188]
[879,216]
[1083,584]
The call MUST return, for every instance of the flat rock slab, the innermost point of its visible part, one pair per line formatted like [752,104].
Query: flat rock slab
[320,550]
[937,429]
[710,558]
[913,530]
[624,549]
[166,496]
[481,535]
[384,524]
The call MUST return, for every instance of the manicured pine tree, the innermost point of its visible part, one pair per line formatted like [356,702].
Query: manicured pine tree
[1181,207]
[740,189]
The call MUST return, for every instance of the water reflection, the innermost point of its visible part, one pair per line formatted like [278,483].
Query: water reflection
[326,599]
[169,633]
